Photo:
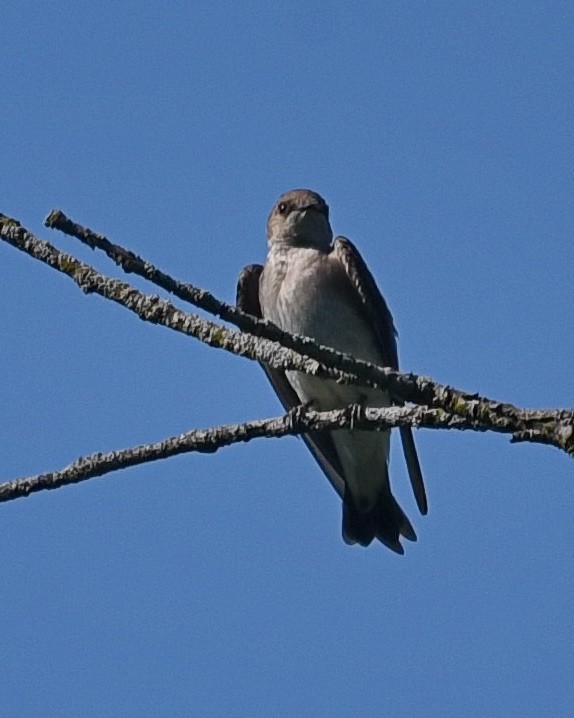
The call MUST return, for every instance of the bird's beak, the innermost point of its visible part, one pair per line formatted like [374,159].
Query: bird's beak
[313,207]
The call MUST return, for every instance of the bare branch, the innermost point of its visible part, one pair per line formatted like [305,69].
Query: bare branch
[297,421]
[406,387]
[132,263]
[555,427]
[153,309]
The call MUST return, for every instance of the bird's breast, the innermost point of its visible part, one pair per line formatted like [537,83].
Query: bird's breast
[305,291]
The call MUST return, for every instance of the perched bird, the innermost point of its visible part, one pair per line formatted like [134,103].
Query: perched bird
[321,288]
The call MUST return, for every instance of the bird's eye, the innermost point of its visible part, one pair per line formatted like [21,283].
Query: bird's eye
[282,208]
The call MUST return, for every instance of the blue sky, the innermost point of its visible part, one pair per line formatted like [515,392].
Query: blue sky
[440,133]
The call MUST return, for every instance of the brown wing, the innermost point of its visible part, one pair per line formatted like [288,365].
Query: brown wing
[379,316]
[319,442]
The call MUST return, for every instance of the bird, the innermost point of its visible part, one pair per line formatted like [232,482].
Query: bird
[315,285]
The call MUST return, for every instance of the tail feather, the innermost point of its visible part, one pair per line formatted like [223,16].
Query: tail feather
[414,468]
[385,521]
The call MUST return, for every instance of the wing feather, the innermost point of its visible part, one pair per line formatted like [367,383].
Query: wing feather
[374,307]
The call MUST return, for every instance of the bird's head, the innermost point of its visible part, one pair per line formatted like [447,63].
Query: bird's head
[300,218]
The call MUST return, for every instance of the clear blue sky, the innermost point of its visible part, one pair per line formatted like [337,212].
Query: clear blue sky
[441,134]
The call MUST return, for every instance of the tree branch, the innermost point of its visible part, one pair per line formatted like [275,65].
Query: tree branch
[406,387]
[555,427]
[297,421]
